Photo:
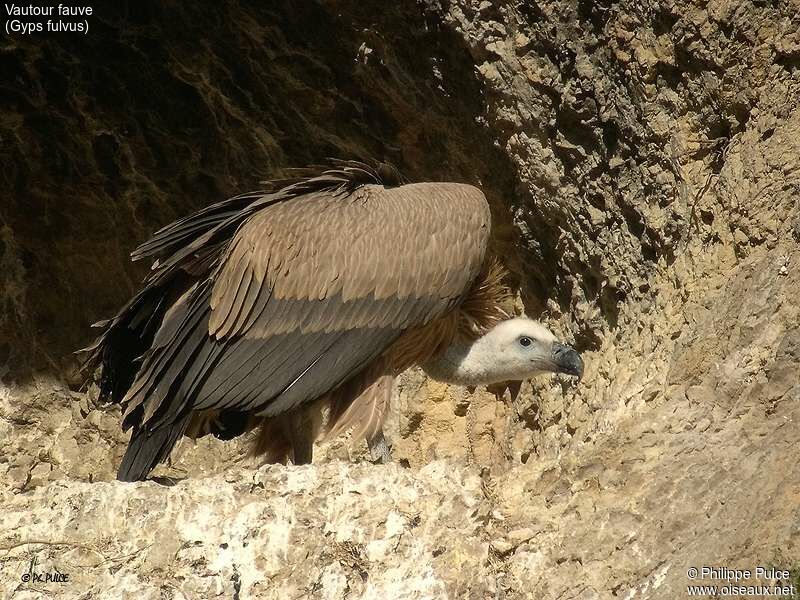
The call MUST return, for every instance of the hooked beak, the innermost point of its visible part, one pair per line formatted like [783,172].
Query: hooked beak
[567,360]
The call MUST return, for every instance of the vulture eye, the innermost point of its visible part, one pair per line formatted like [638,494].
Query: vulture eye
[525,341]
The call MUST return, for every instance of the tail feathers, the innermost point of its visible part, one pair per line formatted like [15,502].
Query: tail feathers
[148,448]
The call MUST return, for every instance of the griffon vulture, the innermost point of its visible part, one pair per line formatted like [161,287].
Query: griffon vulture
[315,292]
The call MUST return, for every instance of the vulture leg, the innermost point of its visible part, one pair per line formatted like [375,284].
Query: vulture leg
[379,448]
[299,430]
[271,442]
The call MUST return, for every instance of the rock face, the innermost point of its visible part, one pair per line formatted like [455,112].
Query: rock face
[643,163]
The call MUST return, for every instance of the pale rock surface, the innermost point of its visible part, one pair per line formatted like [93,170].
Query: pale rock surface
[328,531]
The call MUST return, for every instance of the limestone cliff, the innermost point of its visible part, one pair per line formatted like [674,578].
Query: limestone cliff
[643,163]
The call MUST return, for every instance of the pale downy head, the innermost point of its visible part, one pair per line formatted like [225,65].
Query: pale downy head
[513,350]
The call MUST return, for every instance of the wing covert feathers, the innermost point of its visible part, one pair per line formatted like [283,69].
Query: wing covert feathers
[371,258]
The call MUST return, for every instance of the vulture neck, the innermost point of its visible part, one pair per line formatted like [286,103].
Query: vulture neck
[469,357]
[468,364]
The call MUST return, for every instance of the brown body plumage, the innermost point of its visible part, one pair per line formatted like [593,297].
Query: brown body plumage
[315,292]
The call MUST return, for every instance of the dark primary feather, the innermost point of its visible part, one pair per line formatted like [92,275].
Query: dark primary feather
[168,239]
[148,448]
[266,302]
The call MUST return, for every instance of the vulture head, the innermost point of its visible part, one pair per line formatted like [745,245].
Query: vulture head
[512,350]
